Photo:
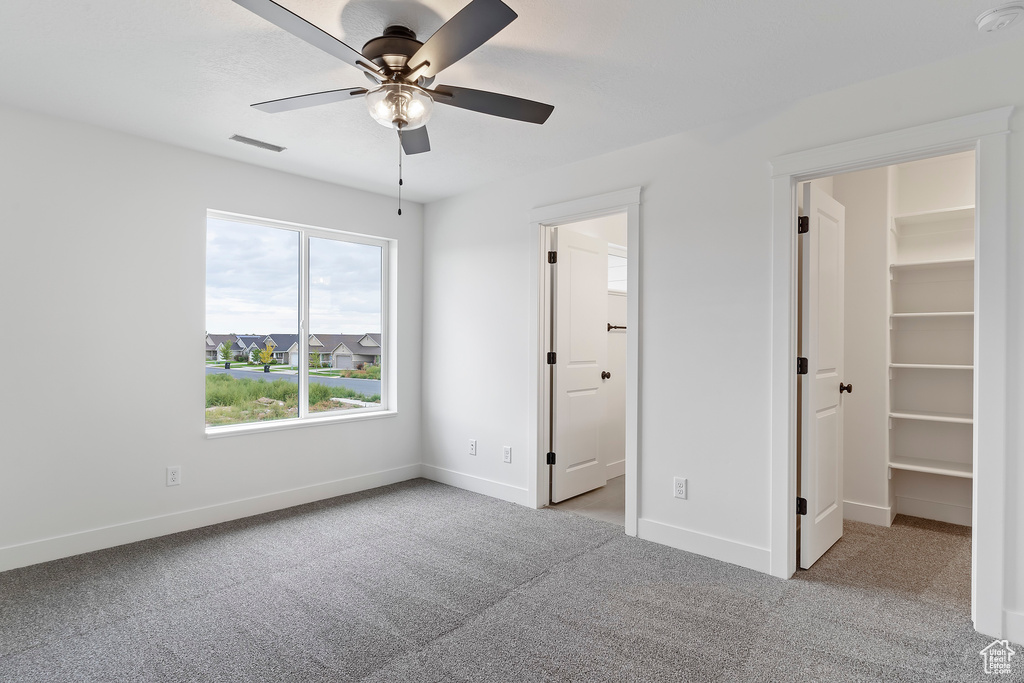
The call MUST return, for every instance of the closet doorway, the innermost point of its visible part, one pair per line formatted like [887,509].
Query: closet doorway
[986,133]
[886,409]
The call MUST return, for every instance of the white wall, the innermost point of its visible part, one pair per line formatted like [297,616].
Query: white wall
[104,241]
[940,182]
[706,282]
[611,229]
[865,469]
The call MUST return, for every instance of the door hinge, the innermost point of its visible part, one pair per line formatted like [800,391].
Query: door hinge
[551,357]
[551,458]
[803,225]
[552,257]
[801,506]
[801,366]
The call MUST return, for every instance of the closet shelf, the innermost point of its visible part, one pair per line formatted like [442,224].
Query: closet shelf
[949,469]
[930,366]
[919,217]
[936,314]
[937,263]
[928,416]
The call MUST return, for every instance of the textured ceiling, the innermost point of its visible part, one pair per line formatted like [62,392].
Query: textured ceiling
[619,73]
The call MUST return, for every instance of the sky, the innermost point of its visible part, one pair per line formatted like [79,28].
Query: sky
[252,282]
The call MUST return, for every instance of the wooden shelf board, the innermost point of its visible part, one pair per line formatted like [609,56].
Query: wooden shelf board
[949,469]
[936,314]
[937,263]
[918,217]
[930,366]
[929,416]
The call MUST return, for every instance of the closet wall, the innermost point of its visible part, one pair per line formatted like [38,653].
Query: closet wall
[908,439]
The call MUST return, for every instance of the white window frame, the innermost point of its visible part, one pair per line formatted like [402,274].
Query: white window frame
[389,249]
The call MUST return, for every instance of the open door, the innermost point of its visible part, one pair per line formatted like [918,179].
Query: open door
[581,347]
[821,343]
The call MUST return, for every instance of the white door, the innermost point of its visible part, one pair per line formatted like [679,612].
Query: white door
[821,343]
[581,347]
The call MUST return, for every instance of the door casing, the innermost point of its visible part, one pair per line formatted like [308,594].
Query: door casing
[541,220]
[985,133]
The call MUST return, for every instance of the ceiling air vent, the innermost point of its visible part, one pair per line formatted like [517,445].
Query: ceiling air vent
[256,143]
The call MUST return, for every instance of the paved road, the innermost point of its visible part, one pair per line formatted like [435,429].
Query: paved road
[367,387]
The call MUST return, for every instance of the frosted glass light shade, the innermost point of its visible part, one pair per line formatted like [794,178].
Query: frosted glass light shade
[400,105]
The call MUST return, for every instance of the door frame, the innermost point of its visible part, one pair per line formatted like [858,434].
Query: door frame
[987,134]
[540,221]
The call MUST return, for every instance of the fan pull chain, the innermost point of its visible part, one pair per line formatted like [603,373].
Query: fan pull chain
[399,171]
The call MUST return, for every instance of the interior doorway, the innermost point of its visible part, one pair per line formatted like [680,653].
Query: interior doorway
[887,324]
[587,388]
[545,222]
[987,134]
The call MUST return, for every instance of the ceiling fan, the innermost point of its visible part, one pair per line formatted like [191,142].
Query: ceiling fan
[402,70]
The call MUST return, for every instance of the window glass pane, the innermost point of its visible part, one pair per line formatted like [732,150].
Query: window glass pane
[616,273]
[252,314]
[345,311]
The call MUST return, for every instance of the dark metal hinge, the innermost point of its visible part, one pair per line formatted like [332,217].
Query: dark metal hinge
[552,257]
[551,458]
[551,357]
[801,366]
[801,506]
[803,225]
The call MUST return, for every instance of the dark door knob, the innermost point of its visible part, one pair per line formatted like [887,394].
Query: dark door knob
[606,375]
[848,388]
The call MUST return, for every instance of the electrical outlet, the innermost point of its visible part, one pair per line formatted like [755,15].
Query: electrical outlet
[174,475]
[472,446]
[679,488]
[507,454]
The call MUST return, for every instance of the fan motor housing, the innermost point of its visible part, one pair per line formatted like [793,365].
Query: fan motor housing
[392,50]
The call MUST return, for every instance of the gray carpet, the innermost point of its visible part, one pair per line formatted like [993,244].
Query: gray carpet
[424,582]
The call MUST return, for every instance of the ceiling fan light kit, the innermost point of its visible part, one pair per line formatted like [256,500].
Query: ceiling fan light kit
[400,106]
[403,69]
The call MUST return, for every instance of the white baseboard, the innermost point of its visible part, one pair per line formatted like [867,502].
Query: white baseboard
[930,509]
[1014,630]
[47,549]
[469,482]
[615,469]
[869,514]
[714,547]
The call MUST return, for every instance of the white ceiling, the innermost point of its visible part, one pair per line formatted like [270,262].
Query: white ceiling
[618,73]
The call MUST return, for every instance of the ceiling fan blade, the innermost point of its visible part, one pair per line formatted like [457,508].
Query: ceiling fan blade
[473,26]
[492,103]
[311,100]
[415,141]
[290,21]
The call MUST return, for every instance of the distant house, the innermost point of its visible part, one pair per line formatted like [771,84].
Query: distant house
[285,347]
[213,342]
[343,351]
[246,342]
[322,345]
[356,349]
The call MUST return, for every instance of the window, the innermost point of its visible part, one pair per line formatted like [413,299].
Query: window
[263,364]
[616,268]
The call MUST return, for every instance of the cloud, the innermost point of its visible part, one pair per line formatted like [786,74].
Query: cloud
[252,282]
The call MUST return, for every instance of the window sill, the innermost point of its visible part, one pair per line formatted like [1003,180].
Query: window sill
[279,425]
